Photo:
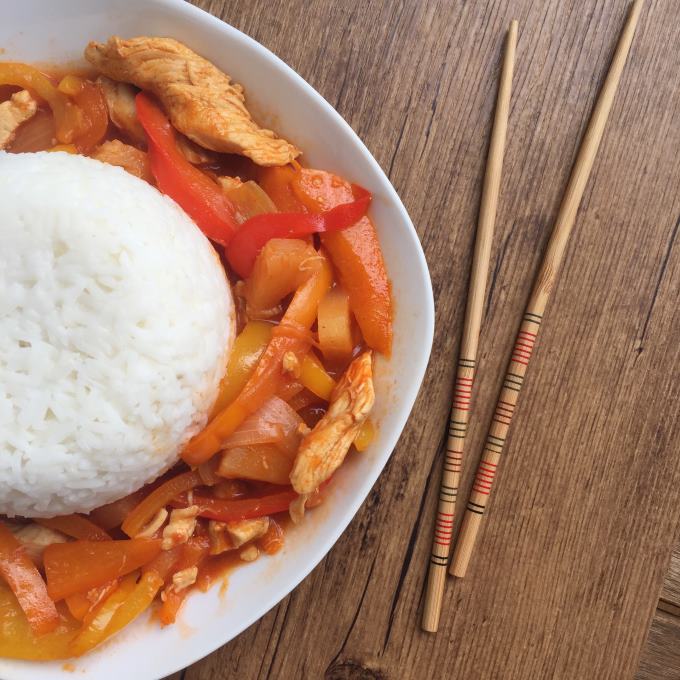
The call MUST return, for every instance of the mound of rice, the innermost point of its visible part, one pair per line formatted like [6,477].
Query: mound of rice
[115,323]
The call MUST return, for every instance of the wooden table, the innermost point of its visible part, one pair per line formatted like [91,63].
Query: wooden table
[567,575]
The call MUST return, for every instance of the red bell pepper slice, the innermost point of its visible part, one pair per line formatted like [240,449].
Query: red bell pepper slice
[201,198]
[254,233]
[249,508]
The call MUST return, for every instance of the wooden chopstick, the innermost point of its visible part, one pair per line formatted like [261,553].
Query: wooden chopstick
[533,315]
[443,531]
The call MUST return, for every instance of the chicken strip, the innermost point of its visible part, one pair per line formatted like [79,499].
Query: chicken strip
[180,528]
[322,451]
[243,530]
[194,153]
[35,538]
[200,100]
[120,101]
[13,112]
[128,157]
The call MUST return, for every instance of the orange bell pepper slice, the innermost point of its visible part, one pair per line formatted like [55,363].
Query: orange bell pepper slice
[157,499]
[164,564]
[191,554]
[23,577]
[19,641]
[174,599]
[74,567]
[356,254]
[84,605]
[75,526]
[268,376]
[90,100]
[277,183]
[78,605]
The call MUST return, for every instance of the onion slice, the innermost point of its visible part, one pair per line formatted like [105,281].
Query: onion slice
[275,422]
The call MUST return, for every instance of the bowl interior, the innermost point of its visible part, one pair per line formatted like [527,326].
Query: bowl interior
[45,31]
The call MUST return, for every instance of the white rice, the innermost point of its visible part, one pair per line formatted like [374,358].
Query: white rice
[115,324]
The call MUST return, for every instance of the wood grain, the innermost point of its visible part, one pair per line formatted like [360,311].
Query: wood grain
[670,592]
[661,657]
[584,520]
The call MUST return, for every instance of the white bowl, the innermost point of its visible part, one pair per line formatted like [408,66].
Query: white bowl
[57,32]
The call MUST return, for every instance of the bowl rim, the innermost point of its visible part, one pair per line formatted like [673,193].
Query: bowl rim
[197,651]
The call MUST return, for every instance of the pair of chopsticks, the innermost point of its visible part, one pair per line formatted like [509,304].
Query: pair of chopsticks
[527,335]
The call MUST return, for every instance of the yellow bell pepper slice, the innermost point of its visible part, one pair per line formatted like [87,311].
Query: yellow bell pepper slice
[315,378]
[66,148]
[139,601]
[121,608]
[68,117]
[248,348]
[71,85]
[365,436]
[94,632]
[17,640]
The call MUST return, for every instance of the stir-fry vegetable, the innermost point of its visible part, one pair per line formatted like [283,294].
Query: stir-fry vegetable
[247,243]
[280,268]
[157,499]
[76,526]
[83,606]
[199,195]
[277,182]
[315,378]
[95,631]
[22,576]
[190,556]
[249,508]
[19,641]
[335,325]
[68,116]
[74,567]
[275,422]
[37,134]
[121,608]
[306,305]
[249,199]
[267,377]
[366,435]
[246,352]
[357,255]
[261,462]
[91,102]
